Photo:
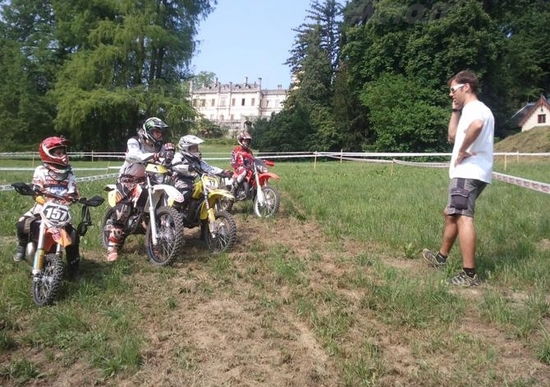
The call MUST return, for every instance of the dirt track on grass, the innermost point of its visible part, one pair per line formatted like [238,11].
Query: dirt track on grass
[237,323]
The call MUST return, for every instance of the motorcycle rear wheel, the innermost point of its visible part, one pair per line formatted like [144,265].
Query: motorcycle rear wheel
[225,236]
[272,201]
[46,287]
[170,238]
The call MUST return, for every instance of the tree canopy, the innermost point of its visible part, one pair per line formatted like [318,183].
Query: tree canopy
[94,69]
[387,89]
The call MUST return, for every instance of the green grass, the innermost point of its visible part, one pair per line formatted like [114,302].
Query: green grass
[399,208]
[364,306]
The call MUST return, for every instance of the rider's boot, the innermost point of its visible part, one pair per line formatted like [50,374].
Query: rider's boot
[19,253]
[112,253]
[115,240]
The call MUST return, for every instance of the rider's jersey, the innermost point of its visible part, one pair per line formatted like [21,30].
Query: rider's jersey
[181,166]
[241,158]
[46,180]
[137,154]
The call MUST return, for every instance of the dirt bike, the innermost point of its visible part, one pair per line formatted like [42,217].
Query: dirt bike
[46,245]
[157,218]
[266,199]
[218,227]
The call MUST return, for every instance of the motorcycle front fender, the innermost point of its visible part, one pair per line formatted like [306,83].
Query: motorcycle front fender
[264,177]
[61,237]
[111,194]
[215,195]
[172,194]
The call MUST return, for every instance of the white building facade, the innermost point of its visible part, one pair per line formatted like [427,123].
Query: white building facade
[231,105]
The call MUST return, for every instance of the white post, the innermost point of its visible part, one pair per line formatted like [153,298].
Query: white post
[505,161]
[341,155]
[315,160]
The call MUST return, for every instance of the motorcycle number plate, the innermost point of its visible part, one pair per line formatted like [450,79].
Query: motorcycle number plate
[210,182]
[56,214]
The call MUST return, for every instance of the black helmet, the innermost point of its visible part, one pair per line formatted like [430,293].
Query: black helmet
[146,131]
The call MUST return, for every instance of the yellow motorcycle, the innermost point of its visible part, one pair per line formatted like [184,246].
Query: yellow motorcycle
[218,228]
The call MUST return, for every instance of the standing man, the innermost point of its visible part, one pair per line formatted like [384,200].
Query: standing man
[471,129]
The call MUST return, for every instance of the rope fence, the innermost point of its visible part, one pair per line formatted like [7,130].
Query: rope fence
[369,157]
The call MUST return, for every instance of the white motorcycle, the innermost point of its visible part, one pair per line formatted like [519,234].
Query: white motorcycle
[161,223]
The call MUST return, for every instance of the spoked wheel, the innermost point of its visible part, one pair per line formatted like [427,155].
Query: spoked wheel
[170,239]
[222,235]
[270,206]
[225,204]
[45,286]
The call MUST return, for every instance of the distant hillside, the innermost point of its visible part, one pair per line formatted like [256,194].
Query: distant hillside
[534,140]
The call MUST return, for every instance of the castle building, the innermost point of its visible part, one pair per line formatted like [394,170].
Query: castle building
[231,105]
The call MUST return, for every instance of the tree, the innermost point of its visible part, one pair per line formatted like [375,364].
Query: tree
[128,65]
[405,121]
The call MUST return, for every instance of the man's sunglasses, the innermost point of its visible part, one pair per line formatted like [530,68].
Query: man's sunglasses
[456,87]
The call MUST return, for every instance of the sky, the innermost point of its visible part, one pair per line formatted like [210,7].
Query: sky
[249,38]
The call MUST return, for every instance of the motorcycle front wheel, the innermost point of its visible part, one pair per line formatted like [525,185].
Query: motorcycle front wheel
[170,239]
[225,234]
[46,285]
[270,206]
[225,204]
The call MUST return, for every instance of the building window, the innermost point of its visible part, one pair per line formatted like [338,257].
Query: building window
[267,103]
[542,118]
[253,101]
[213,102]
[243,101]
[222,117]
[195,102]
[232,117]
[232,101]
[222,102]
[203,102]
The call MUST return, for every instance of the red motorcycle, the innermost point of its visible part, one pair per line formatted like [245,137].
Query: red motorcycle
[48,241]
[266,199]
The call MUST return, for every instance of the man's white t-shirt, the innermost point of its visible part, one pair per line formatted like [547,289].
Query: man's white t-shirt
[479,166]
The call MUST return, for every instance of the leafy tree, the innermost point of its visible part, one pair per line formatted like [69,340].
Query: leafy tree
[287,131]
[130,64]
[405,121]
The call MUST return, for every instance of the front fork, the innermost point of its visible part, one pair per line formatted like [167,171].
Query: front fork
[38,262]
[152,217]
[212,225]
[259,192]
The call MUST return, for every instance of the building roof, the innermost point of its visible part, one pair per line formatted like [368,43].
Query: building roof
[236,88]
[528,110]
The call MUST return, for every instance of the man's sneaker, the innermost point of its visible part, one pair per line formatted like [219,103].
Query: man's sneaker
[463,279]
[19,253]
[433,259]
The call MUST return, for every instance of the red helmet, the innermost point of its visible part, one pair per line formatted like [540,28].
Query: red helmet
[242,137]
[46,148]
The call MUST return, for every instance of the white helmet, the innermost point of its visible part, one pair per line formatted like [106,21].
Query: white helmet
[188,145]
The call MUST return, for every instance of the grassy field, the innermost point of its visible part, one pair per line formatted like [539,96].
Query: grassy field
[331,292]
